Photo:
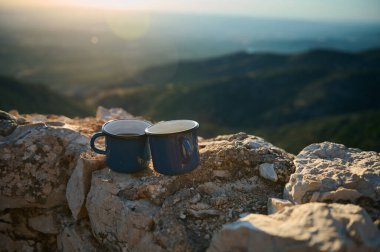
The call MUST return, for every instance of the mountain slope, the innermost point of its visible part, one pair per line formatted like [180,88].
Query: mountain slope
[355,130]
[263,93]
[241,63]
[30,98]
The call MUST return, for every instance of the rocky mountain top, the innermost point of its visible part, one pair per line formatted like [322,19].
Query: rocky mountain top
[57,195]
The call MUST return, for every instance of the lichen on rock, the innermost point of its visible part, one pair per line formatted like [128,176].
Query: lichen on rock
[35,164]
[36,161]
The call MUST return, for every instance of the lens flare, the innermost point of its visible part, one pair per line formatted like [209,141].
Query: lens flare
[129,25]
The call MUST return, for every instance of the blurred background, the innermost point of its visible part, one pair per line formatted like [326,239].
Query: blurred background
[294,72]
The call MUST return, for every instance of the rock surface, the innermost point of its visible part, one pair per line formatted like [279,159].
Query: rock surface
[181,213]
[275,205]
[8,244]
[330,172]
[111,114]
[77,237]
[307,227]
[267,171]
[8,123]
[55,194]
[36,161]
[79,183]
[44,224]
[242,150]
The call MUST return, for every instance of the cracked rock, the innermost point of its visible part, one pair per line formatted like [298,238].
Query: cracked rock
[36,161]
[330,172]
[306,227]
[150,211]
[79,183]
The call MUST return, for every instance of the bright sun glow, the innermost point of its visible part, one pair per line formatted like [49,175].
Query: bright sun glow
[128,25]
[345,10]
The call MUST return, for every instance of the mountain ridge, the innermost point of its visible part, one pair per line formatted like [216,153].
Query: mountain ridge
[257,92]
[34,98]
[193,70]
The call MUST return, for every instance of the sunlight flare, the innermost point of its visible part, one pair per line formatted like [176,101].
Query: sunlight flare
[129,25]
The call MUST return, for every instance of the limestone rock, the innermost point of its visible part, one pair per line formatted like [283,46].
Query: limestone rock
[275,205]
[307,227]
[36,161]
[8,123]
[180,213]
[86,126]
[80,182]
[242,150]
[44,224]
[267,171]
[77,237]
[35,226]
[7,244]
[111,114]
[330,172]
[117,222]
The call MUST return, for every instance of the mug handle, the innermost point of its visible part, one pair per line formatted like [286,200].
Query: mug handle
[92,143]
[186,149]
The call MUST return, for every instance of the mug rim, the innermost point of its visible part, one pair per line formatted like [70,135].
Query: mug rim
[125,137]
[196,126]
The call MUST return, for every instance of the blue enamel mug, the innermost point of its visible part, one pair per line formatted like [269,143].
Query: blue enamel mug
[126,145]
[174,146]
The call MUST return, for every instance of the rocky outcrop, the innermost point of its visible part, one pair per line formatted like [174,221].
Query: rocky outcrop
[104,114]
[330,172]
[275,205]
[308,227]
[242,150]
[79,183]
[35,164]
[154,212]
[36,161]
[77,237]
[56,194]
[8,124]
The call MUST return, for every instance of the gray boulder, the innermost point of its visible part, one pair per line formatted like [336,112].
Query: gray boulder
[330,172]
[36,161]
[307,227]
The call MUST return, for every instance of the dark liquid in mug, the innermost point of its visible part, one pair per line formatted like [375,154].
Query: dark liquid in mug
[127,135]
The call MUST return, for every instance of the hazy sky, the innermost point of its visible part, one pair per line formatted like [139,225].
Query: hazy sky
[345,10]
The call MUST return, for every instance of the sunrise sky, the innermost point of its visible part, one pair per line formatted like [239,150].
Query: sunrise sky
[341,10]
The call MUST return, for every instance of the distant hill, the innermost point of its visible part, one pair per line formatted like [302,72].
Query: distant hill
[31,98]
[83,49]
[242,62]
[286,98]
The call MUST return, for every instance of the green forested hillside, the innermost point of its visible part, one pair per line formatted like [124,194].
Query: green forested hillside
[292,100]
[30,98]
